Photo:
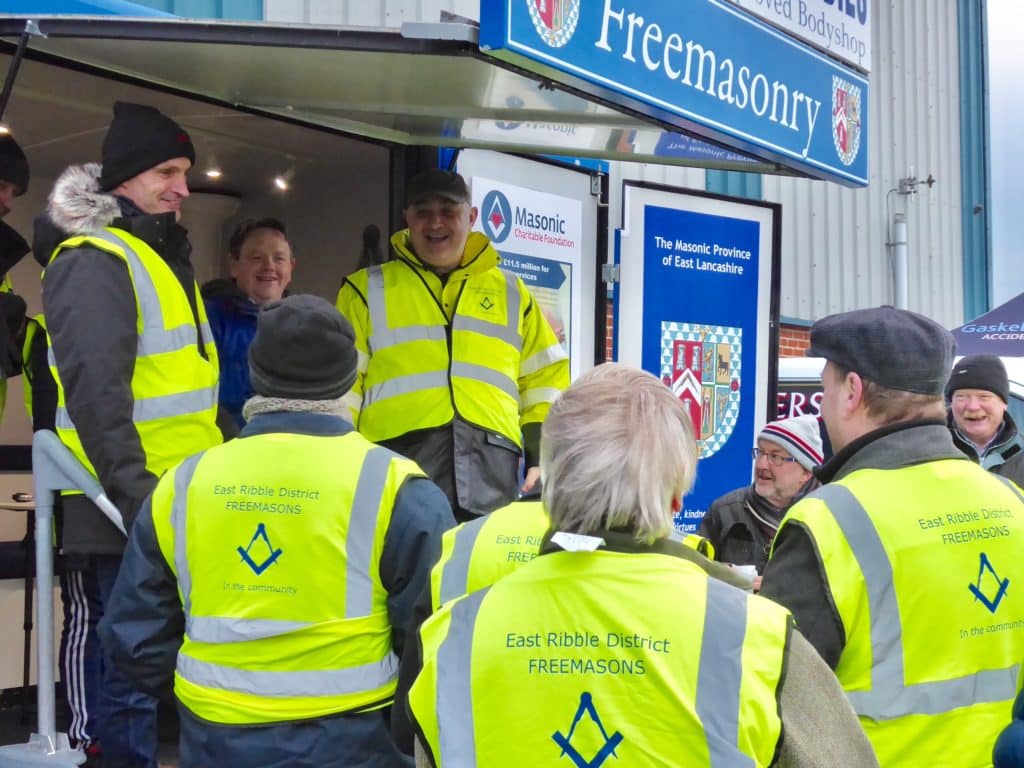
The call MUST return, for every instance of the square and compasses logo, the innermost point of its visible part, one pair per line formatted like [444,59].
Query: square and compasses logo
[990,589]
[260,554]
[598,737]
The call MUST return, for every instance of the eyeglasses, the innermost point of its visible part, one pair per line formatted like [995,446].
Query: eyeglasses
[775,459]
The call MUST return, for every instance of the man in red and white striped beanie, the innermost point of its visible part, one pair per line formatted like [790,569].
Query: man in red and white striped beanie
[742,523]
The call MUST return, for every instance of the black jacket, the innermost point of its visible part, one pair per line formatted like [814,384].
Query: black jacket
[91,316]
[144,625]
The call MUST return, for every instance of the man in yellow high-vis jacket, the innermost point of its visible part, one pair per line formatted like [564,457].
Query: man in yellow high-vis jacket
[14,178]
[611,643]
[904,569]
[273,577]
[458,366]
[131,353]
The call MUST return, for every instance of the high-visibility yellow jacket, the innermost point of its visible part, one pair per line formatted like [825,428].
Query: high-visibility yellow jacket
[561,658]
[476,554]
[473,348]
[921,563]
[33,326]
[277,558]
[174,386]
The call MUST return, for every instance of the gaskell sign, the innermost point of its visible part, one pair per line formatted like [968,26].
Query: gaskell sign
[702,65]
[841,27]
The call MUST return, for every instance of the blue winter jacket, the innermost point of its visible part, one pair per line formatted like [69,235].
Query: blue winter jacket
[232,317]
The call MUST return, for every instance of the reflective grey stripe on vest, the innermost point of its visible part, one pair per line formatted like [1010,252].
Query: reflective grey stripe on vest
[160,407]
[507,331]
[362,531]
[454,702]
[154,339]
[218,629]
[179,519]
[383,336]
[455,573]
[488,376]
[890,697]
[306,684]
[404,385]
[1011,485]
[720,674]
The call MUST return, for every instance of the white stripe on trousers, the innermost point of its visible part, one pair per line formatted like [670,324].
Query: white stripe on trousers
[74,657]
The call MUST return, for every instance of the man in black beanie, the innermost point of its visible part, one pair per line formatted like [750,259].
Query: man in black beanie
[134,362]
[14,175]
[307,546]
[977,394]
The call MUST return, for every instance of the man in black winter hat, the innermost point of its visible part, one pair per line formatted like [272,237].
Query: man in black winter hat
[307,548]
[134,362]
[977,394]
[14,174]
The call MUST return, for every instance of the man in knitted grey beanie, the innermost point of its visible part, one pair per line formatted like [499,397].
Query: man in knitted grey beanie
[312,544]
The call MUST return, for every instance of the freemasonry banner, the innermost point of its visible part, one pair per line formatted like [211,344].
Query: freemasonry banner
[696,306]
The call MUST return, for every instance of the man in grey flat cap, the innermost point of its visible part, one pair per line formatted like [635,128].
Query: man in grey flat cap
[897,568]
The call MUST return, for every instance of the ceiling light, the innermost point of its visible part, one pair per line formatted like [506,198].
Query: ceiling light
[4,130]
[214,173]
[281,183]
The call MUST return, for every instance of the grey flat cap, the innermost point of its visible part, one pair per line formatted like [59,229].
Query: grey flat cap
[892,347]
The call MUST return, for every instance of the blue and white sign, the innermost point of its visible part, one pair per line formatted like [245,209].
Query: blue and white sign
[841,27]
[694,310]
[705,66]
[539,236]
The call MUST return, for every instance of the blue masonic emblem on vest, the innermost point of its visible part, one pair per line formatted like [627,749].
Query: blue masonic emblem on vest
[565,742]
[270,554]
[992,585]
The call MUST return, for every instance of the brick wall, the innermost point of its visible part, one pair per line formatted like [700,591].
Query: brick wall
[793,340]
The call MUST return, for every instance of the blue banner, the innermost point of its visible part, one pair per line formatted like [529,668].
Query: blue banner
[702,65]
[999,331]
[700,335]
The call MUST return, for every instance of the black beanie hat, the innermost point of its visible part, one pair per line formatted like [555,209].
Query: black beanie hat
[979,372]
[13,164]
[139,138]
[303,350]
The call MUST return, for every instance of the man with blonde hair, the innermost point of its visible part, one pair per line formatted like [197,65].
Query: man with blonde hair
[898,568]
[610,624]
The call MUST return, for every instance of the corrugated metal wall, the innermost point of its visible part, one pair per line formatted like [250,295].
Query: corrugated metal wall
[834,239]
[366,13]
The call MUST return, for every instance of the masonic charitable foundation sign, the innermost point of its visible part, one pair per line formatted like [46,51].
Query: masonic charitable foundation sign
[704,65]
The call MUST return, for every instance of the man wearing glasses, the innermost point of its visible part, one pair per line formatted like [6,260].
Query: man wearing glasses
[742,523]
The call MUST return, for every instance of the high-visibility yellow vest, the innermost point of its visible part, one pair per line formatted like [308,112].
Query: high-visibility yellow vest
[277,556]
[33,326]
[476,554]
[922,564]
[5,287]
[173,385]
[432,349]
[563,658]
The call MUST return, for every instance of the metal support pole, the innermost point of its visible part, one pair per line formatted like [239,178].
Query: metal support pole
[901,288]
[31,30]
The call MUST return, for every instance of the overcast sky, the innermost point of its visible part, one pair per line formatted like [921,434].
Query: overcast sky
[1006,62]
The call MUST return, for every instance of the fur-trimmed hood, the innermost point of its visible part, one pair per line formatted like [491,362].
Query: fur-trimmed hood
[77,206]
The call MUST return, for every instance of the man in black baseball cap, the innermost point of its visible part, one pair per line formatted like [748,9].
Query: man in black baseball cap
[135,366]
[880,566]
[464,366]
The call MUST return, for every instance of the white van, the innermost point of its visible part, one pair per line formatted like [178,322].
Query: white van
[800,386]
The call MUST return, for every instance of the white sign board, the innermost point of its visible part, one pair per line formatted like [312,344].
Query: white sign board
[840,27]
[539,236]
